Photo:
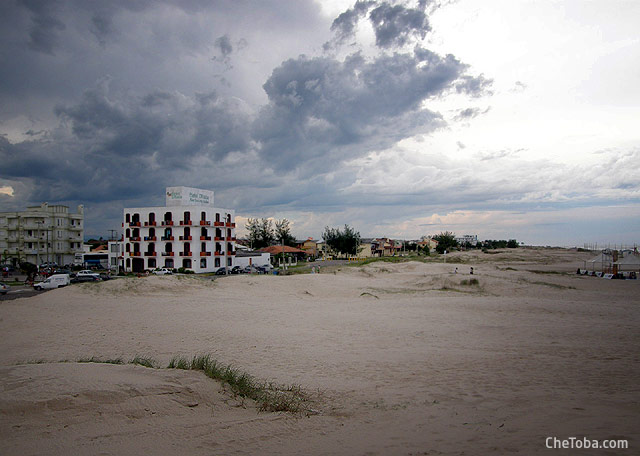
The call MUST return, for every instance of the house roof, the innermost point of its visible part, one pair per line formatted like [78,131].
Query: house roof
[100,248]
[275,249]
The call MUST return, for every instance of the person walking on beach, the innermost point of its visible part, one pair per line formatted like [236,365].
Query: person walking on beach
[471,271]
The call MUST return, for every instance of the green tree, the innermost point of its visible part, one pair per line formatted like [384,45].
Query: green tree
[260,232]
[446,241]
[342,242]
[283,233]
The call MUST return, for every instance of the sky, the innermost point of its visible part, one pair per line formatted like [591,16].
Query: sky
[505,119]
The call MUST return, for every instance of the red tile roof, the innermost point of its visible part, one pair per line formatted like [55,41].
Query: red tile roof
[276,249]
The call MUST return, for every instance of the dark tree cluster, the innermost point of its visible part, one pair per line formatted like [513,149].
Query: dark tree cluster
[344,241]
[262,233]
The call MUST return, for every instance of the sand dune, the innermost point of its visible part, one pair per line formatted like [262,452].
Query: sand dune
[405,358]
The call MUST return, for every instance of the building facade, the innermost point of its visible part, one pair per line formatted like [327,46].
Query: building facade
[45,233]
[189,232]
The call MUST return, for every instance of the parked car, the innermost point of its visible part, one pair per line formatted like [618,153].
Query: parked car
[105,276]
[4,288]
[221,271]
[236,270]
[162,271]
[86,278]
[55,281]
[87,273]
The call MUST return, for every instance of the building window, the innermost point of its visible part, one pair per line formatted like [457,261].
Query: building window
[128,218]
[151,263]
[168,263]
[203,263]
[229,261]
[217,262]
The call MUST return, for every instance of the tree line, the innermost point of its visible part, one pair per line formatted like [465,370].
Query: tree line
[263,233]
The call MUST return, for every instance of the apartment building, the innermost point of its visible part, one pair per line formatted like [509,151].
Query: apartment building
[188,232]
[39,234]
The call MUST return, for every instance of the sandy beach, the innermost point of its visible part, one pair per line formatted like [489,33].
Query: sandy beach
[396,358]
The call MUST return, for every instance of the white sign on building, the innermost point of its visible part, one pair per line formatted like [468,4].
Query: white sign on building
[187,196]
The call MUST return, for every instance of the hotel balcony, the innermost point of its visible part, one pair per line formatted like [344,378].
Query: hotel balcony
[150,223]
[185,222]
[150,238]
[218,253]
[232,252]
[218,223]
[150,254]
[167,253]
[186,238]
[205,223]
[134,238]
[134,224]
[205,238]
[167,238]
[136,254]
[230,225]
[166,223]
[205,254]
[218,238]
[187,254]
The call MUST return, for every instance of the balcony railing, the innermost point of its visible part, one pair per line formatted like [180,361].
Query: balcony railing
[205,238]
[186,253]
[230,225]
[150,223]
[167,238]
[205,223]
[218,223]
[205,254]
[134,238]
[218,253]
[219,238]
[186,238]
[167,223]
[134,223]
[135,253]
[232,252]
[150,238]
[167,253]
[185,222]
[149,253]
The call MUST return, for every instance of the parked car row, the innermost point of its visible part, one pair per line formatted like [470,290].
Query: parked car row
[264,269]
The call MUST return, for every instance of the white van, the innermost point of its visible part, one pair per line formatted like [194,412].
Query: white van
[55,281]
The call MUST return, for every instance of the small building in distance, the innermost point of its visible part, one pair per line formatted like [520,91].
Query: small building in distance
[188,232]
[467,238]
[40,234]
[309,245]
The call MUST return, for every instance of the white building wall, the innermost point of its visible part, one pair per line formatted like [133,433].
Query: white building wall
[199,238]
[42,233]
[255,259]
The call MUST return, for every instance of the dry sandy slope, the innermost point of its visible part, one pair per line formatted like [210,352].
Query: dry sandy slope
[400,359]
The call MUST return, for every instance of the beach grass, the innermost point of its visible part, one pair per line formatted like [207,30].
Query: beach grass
[270,397]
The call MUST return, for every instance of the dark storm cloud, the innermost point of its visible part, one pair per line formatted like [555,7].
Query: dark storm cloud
[43,33]
[394,24]
[344,26]
[157,115]
[319,107]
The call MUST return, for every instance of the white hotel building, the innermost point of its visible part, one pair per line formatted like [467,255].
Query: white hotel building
[189,232]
